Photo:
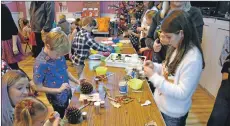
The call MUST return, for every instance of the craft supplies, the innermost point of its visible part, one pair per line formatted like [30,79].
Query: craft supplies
[101,70]
[123,87]
[102,104]
[106,91]
[151,123]
[97,107]
[135,83]
[85,101]
[147,102]
[123,99]
[90,97]
[134,91]
[116,105]
[84,115]
[124,60]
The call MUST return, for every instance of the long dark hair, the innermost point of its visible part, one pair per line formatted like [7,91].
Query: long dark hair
[174,22]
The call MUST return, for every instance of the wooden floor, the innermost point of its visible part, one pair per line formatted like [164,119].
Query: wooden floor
[202,103]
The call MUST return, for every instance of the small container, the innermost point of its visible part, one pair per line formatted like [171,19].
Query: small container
[134,74]
[84,115]
[123,87]
[97,107]
[102,104]
[85,101]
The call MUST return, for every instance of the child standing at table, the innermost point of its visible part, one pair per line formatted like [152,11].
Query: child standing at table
[82,43]
[133,35]
[50,70]
[144,31]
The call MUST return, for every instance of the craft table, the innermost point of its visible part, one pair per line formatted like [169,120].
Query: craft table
[131,114]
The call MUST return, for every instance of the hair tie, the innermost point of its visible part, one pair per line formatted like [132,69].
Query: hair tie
[29,106]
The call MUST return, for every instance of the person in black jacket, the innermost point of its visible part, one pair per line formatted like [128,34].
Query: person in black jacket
[220,115]
[160,50]
[42,18]
[12,51]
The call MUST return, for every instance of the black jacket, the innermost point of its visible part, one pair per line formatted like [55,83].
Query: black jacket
[9,27]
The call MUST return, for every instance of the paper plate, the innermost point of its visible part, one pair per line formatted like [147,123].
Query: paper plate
[95,57]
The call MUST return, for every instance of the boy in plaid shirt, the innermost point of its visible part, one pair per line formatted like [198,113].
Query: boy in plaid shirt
[82,43]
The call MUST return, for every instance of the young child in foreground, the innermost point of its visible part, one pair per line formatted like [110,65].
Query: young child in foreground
[50,70]
[33,112]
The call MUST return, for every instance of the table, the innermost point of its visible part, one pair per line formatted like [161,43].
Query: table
[125,46]
[131,114]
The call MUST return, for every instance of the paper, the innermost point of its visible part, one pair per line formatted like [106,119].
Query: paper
[151,123]
[147,102]
[116,105]
[90,97]
[125,41]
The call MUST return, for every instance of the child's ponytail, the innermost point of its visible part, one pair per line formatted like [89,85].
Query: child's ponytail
[26,111]
[25,118]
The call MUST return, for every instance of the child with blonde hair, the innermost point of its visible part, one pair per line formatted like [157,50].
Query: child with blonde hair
[33,112]
[50,70]
[82,43]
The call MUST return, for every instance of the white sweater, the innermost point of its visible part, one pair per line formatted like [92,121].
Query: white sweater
[176,98]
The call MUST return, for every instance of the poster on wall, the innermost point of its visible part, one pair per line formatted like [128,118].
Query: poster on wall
[63,7]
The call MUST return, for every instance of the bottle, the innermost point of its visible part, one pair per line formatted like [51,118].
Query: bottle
[123,87]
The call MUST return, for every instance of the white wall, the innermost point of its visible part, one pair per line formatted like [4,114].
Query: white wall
[213,39]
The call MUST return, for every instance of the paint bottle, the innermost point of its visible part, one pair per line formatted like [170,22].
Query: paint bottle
[123,87]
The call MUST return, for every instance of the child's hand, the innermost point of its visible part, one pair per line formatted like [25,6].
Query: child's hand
[141,50]
[157,46]
[139,29]
[148,71]
[70,56]
[56,122]
[130,32]
[78,82]
[63,87]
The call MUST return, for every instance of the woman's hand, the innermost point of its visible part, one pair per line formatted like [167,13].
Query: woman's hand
[157,46]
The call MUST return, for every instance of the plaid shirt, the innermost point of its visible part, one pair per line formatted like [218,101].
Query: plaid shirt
[82,43]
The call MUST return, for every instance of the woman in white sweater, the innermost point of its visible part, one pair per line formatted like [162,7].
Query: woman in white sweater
[177,78]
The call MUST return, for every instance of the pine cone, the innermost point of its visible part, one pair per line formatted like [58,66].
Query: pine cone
[86,87]
[73,115]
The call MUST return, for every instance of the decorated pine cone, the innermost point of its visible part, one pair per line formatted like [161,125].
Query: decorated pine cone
[86,87]
[73,115]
